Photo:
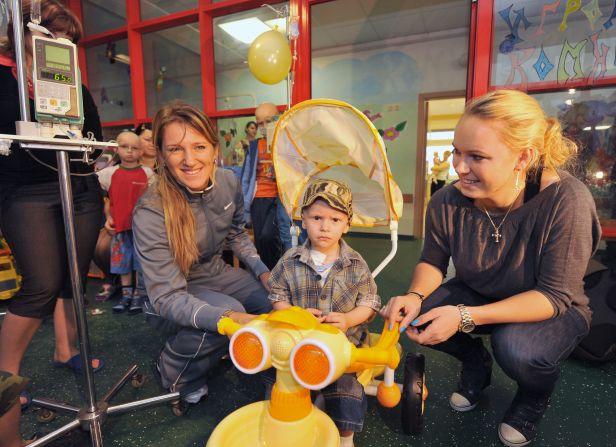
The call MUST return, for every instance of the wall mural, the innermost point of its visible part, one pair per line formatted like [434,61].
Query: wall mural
[556,41]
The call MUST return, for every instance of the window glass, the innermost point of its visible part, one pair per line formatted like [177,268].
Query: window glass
[234,140]
[380,56]
[157,8]
[102,15]
[236,87]
[109,80]
[111,133]
[172,64]
[552,43]
[587,118]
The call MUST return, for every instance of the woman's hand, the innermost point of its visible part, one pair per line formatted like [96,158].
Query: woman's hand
[336,319]
[402,308]
[264,278]
[444,322]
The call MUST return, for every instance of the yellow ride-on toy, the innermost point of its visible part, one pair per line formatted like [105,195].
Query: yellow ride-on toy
[309,355]
[10,281]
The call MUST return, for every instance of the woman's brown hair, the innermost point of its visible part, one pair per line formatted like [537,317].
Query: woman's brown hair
[179,218]
[56,17]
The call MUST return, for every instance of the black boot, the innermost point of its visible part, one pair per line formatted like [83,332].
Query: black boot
[519,425]
[122,305]
[475,376]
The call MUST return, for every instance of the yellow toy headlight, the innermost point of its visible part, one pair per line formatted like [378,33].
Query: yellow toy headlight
[249,350]
[313,364]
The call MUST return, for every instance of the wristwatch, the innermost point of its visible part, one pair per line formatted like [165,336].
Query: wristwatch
[467,324]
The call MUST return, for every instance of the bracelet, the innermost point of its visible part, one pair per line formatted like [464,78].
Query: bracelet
[419,295]
[226,313]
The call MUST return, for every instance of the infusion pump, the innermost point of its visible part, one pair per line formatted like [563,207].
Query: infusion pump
[57,83]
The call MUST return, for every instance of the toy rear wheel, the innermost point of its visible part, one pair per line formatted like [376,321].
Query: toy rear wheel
[412,393]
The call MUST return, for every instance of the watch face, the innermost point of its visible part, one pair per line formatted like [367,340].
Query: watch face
[467,327]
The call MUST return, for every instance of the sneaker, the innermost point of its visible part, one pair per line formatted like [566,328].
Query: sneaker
[519,425]
[106,291]
[136,305]
[475,377]
[123,304]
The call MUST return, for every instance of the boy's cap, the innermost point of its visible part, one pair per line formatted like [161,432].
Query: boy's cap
[336,194]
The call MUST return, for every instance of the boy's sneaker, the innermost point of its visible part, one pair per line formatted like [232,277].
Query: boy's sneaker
[124,303]
[474,378]
[519,425]
[136,304]
[106,291]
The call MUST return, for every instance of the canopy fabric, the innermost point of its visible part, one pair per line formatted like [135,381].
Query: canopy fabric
[324,138]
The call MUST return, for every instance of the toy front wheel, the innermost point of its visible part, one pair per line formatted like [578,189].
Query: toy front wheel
[412,393]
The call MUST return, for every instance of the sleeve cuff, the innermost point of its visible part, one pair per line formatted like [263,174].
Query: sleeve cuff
[206,318]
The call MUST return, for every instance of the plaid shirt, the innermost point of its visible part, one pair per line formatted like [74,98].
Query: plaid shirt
[348,285]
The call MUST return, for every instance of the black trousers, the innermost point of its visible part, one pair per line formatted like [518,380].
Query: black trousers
[267,240]
[32,223]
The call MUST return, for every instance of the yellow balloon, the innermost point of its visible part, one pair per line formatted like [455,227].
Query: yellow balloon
[269,57]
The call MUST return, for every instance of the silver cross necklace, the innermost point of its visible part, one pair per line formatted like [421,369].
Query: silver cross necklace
[497,235]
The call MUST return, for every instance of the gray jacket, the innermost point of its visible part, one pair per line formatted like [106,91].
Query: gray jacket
[219,214]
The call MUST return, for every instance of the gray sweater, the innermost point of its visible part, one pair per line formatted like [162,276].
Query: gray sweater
[546,243]
[219,215]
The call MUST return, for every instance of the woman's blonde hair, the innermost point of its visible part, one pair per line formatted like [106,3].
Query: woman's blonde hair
[522,124]
[179,218]
[56,17]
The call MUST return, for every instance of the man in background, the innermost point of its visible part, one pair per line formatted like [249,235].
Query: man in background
[262,205]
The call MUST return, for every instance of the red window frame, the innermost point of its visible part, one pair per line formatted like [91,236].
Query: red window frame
[479,69]
[204,14]
[480,64]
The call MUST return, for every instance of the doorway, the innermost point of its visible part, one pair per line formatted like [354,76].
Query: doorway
[437,118]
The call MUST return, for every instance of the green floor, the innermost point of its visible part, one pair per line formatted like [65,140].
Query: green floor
[582,413]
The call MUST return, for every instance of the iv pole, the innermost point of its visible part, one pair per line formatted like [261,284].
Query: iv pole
[94,413]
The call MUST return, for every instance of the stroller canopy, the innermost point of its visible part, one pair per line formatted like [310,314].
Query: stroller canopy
[330,139]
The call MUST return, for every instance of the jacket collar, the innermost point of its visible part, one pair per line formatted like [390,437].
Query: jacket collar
[346,255]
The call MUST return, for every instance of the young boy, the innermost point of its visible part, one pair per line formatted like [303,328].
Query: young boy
[124,184]
[332,281]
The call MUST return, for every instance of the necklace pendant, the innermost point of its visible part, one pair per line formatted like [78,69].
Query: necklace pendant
[497,235]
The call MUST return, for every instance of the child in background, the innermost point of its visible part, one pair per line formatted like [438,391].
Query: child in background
[124,183]
[333,282]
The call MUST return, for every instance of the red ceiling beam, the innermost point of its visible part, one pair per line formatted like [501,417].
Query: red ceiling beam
[233,6]
[168,21]
[208,64]
[481,64]
[104,37]
[135,51]
[302,88]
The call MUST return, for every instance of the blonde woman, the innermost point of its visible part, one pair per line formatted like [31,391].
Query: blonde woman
[180,226]
[520,231]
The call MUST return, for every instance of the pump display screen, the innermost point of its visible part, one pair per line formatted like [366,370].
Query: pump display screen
[58,77]
[57,88]
[58,57]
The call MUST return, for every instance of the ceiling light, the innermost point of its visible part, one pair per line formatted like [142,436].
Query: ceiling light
[279,24]
[571,91]
[245,30]
[569,102]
